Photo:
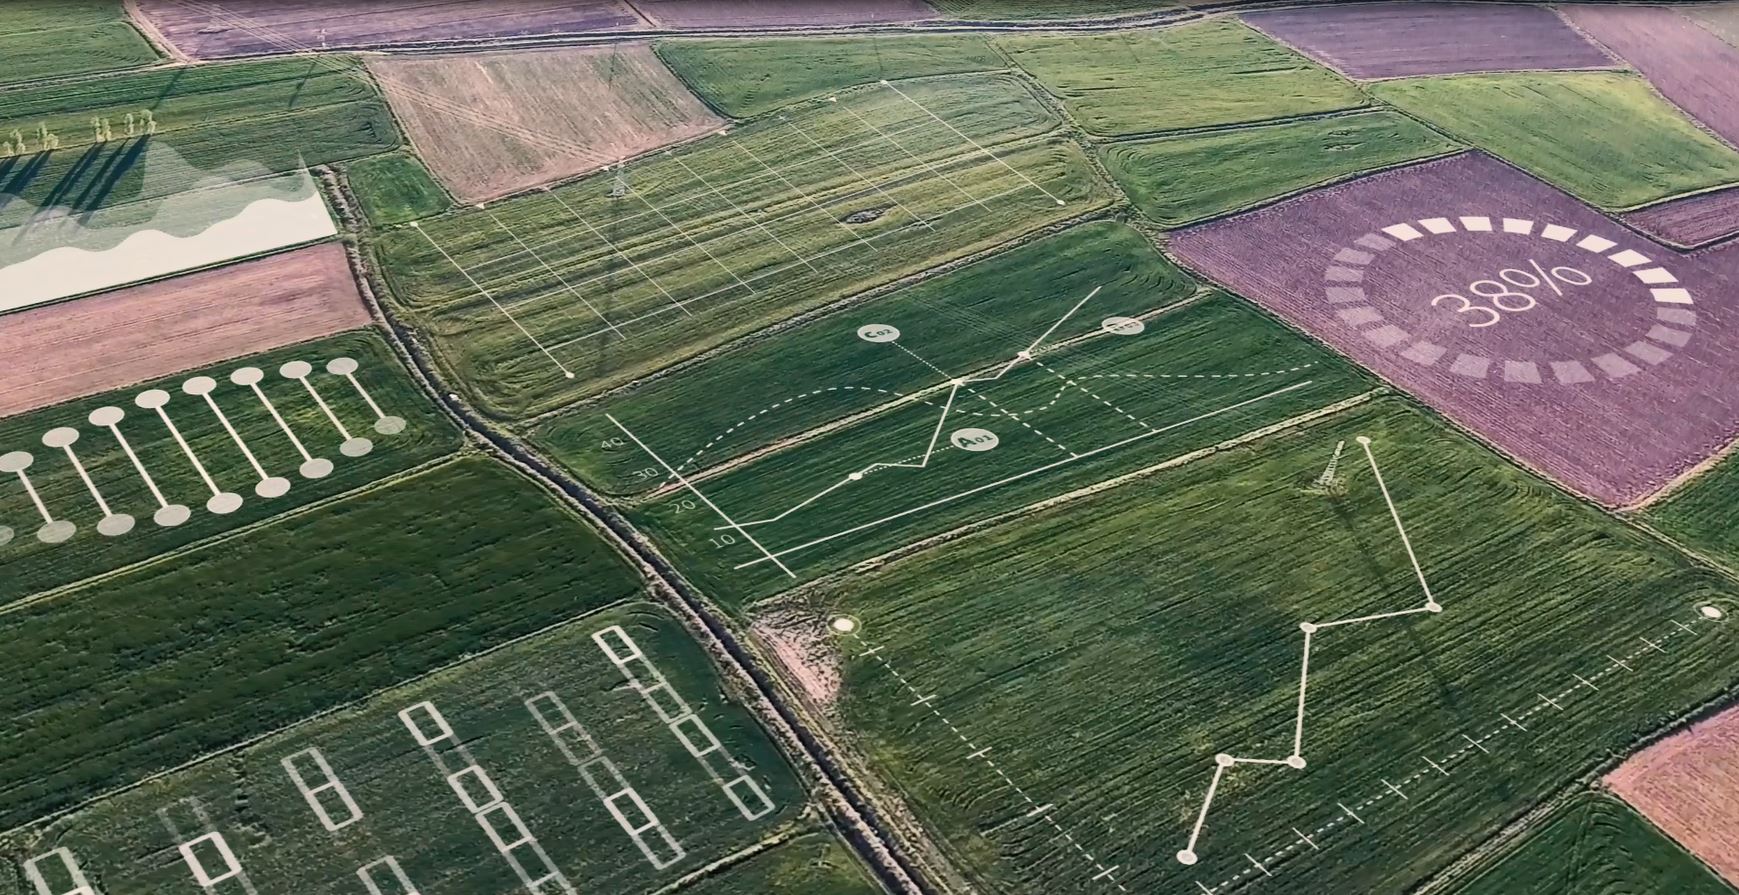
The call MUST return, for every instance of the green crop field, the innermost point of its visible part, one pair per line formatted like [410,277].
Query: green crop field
[1107,649]
[395,188]
[61,38]
[138,672]
[1605,137]
[813,864]
[407,809]
[1700,514]
[33,566]
[1183,179]
[1595,845]
[1023,10]
[231,121]
[1077,413]
[715,240]
[1199,75]
[749,77]
[972,317]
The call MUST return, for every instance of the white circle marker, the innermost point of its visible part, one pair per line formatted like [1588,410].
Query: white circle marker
[152,399]
[199,385]
[356,447]
[1186,857]
[317,468]
[64,436]
[856,476]
[16,461]
[56,532]
[1433,606]
[275,486]
[115,525]
[1295,762]
[5,535]
[342,366]
[296,369]
[247,376]
[389,425]
[1224,760]
[224,503]
[878,332]
[1123,326]
[844,625]
[974,439]
[172,515]
[1307,627]
[1712,612]
[107,416]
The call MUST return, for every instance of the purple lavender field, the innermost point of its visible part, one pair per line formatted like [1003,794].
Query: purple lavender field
[1587,352]
[1695,69]
[1691,221]
[1392,40]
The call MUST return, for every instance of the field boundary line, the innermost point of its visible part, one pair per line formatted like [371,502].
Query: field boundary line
[396,478]
[256,739]
[1086,491]
[778,839]
[1031,472]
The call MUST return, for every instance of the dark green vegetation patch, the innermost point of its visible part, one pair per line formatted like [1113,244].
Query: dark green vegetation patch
[748,77]
[395,188]
[1183,179]
[60,38]
[1595,845]
[143,671]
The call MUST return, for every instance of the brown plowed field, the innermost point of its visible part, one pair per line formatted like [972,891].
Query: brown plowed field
[1686,785]
[58,352]
[778,13]
[546,114]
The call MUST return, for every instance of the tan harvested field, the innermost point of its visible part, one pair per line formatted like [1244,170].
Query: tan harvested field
[1687,785]
[58,352]
[560,113]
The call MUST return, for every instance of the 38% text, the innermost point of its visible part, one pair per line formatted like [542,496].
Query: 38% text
[1494,298]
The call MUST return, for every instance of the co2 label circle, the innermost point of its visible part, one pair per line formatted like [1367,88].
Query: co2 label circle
[878,332]
[1543,276]
[974,439]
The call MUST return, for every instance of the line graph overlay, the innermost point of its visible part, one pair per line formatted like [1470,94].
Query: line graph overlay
[1224,762]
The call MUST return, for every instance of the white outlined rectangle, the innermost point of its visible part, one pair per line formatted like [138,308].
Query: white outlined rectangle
[665,701]
[401,884]
[570,736]
[755,790]
[522,839]
[189,853]
[330,783]
[629,651]
[69,868]
[443,732]
[708,743]
[475,802]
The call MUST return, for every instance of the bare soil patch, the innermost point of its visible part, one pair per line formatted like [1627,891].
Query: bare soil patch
[778,13]
[807,651]
[548,114]
[58,352]
[1693,221]
[1685,784]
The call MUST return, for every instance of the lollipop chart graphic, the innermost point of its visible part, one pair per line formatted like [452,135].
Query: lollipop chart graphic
[109,495]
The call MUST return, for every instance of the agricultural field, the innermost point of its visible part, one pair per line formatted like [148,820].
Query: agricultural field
[1393,40]
[233,28]
[802,866]
[70,350]
[540,301]
[1691,67]
[64,38]
[489,124]
[1679,784]
[1101,652]
[1594,845]
[1605,137]
[744,78]
[395,188]
[778,13]
[1186,178]
[122,517]
[390,797]
[1699,514]
[1515,310]
[1026,10]
[1107,397]
[1201,75]
[1691,221]
[1722,19]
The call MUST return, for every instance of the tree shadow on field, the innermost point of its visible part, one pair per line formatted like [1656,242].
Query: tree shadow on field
[71,177]
[121,162]
[22,178]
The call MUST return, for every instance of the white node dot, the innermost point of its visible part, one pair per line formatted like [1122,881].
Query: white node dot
[1186,857]
[199,385]
[844,625]
[1433,606]
[1295,762]
[63,436]
[5,535]
[1059,201]
[1712,612]
[172,515]
[116,525]
[16,461]
[389,425]
[224,503]
[856,476]
[1224,760]
[56,532]
[107,416]
[570,375]
[275,486]
[356,447]
[1363,439]
[1307,627]
[1025,355]
[296,369]
[247,376]
[317,468]
[152,399]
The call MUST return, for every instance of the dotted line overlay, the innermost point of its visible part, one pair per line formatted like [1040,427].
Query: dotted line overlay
[1343,287]
[1394,791]
[1045,811]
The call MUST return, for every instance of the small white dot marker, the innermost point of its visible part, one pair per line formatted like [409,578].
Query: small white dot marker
[1433,606]
[1307,627]
[844,625]
[570,375]
[1295,762]
[1025,355]
[1363,439]
[1712,612]
[1059,201]
[1224,760]
[1186,857]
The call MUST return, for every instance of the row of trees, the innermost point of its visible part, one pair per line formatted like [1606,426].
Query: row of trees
[137,124]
